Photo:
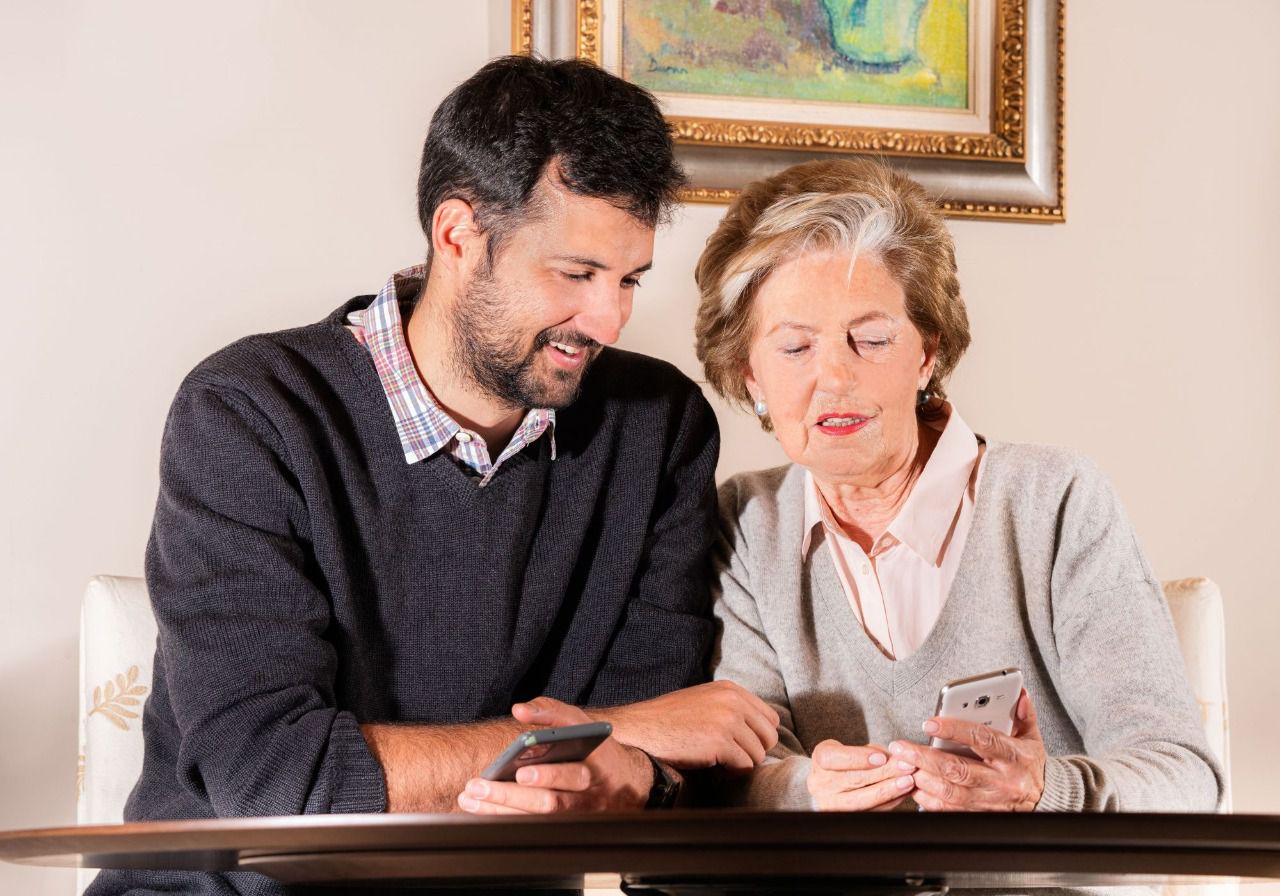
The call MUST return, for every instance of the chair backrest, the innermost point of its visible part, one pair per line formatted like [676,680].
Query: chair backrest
[1196,606]
[117,646]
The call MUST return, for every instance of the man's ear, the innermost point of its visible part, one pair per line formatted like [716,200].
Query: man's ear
[456,241]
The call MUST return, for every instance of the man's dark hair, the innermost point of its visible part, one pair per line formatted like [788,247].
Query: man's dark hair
[493,137]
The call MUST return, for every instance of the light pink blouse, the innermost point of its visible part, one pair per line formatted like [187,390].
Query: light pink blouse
[898,591]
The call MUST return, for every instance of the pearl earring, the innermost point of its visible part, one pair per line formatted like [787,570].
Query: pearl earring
[760,407]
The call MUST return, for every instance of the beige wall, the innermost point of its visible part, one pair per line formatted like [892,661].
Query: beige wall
[175,175]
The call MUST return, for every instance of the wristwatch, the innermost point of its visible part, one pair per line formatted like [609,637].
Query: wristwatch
[666,786]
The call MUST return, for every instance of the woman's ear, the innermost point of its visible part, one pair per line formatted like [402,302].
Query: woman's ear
[928,359]
[753,388]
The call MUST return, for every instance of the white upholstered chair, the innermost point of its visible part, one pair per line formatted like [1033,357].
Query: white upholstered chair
[117,646]
[118,637]
[1196,605]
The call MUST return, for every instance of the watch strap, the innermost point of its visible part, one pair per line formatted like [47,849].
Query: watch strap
[665,789]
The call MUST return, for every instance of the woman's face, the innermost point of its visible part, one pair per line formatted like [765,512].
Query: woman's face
[838,363]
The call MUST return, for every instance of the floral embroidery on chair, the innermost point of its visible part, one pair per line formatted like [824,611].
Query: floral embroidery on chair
[113,700]
[80,776]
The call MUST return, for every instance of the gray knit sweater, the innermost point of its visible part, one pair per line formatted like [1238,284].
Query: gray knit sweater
[1051,581]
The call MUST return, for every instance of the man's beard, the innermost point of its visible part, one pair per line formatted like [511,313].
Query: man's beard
[487,351]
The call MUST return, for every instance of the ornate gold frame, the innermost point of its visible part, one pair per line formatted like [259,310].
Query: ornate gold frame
[930,154]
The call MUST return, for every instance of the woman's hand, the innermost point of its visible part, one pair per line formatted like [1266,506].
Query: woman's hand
[1009,776]
[854,779]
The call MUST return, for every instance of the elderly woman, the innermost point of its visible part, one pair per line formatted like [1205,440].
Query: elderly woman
[899,550]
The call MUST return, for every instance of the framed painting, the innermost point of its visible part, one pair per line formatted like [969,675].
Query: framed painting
[965,95]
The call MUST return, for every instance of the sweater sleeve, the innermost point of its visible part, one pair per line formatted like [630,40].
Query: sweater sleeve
[243,615]
[744,654]
[665,633]
[1121,676]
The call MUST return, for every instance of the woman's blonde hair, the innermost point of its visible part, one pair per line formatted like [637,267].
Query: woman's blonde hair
[849,205]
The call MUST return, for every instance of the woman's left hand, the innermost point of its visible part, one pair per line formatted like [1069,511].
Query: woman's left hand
[1009,777]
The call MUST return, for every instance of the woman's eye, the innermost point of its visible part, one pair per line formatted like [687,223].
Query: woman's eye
[871,345]
[793,350]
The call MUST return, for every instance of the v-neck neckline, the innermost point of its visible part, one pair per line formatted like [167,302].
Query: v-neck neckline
[465,488]
[830,603]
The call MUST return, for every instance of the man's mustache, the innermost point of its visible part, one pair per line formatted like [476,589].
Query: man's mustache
[565,337]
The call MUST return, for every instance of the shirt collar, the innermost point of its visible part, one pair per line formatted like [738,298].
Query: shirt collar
[423,426]
[815,513]
[925,520]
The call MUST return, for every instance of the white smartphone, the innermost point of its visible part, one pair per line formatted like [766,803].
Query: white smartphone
[989,699]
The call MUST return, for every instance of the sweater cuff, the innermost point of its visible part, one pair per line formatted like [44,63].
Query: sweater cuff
[358,784]
[1063,788]
[781,784]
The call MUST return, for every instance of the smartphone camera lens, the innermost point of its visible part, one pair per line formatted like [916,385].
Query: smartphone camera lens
[984,700]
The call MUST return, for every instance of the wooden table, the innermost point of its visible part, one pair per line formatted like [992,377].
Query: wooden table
[708,852]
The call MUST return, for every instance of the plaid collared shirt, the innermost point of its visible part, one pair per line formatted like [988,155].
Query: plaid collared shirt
[423,425]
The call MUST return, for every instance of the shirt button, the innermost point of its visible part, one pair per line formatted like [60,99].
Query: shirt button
[866,570]
[464,437]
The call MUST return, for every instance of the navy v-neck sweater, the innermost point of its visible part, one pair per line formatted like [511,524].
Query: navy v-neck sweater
[306,579]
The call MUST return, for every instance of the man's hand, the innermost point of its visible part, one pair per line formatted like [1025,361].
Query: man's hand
[857,779]
[614,776]
[718,723]
[1009,777]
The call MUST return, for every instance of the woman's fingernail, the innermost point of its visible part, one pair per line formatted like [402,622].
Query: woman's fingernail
[930,727]
[904,782]
[895,748]
[877,759]
[906,766]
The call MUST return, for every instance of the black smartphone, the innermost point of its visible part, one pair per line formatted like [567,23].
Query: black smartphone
[569,744]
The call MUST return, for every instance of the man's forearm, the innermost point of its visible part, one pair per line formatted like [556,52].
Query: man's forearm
[426,766]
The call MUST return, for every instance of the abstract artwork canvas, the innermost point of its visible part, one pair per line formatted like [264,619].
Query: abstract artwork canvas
[881,52]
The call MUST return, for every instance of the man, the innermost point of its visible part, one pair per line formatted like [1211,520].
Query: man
[377,533]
